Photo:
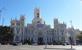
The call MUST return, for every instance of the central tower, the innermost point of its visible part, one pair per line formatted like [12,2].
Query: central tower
[37,19]
[37,13]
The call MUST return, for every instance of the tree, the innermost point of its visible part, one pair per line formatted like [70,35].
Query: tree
[79,38]
[6,34]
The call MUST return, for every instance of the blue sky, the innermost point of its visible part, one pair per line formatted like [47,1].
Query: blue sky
[64,10]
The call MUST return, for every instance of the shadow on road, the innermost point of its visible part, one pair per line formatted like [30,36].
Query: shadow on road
[58,49]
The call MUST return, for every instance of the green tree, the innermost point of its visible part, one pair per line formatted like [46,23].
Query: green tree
[79,37]
[5,34]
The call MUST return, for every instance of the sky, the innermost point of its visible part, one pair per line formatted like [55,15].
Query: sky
[64,10]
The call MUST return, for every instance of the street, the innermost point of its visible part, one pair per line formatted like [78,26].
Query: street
[40,47]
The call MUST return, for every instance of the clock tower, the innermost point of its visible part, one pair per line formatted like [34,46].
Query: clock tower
[37,19]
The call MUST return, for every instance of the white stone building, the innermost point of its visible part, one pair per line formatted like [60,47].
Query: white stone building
[72,33]
[38,32]
[18,29]
[59,31]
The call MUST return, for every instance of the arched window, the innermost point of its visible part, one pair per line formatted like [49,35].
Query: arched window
[37,14]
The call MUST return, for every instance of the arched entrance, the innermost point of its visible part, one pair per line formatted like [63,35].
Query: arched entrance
[40,41]
[40,37]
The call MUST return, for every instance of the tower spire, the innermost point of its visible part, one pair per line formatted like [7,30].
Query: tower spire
[71,23]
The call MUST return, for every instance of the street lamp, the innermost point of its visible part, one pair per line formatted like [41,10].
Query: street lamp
[2,18]
[71,42]
[0,14]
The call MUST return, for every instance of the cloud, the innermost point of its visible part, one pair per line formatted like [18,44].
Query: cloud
[81,2]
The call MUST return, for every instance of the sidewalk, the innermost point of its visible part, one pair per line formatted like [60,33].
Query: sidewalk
[58,47]
[38,47]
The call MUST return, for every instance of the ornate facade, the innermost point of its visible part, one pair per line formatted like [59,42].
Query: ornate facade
[38,32]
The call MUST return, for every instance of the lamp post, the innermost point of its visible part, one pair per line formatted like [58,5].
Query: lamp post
[2,18]
[46,44]
[0,15]
[71,37]
[71,42]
